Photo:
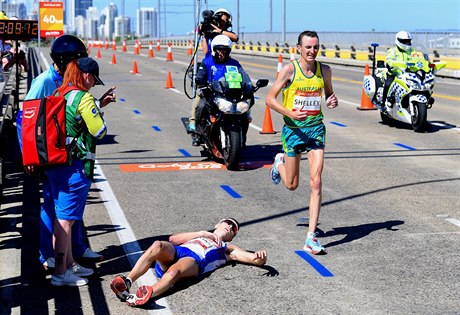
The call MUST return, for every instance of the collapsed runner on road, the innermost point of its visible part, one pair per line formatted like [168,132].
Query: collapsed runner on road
[186,255]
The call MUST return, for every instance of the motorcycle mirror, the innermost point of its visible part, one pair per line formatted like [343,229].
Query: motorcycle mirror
[262,83]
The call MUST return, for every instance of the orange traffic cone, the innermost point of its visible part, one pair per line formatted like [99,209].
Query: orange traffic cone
[169,56]
[106,44]
[267,127]
[98,54]
[135,71]
[366,103]
[151,51]
[292,54]
[114,47]
[136,48]
[169,83]
[280,65]
[123,48]
[190,48]
[158,45]
[114,60]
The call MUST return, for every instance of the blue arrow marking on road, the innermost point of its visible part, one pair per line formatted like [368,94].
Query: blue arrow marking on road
[121,99]
[230,191]
[315,264]
[156,128]
[136,112]
[404,146]
[184,152]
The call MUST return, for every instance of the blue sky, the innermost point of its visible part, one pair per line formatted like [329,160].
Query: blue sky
[320,15]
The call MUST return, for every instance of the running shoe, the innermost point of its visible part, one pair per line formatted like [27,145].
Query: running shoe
[89,254]
[81,271]
[141,297]
[68,278]
[274,173]
[313,246]
[120,286]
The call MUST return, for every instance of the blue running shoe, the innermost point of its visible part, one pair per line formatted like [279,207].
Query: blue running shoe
[274,173]
[313,246]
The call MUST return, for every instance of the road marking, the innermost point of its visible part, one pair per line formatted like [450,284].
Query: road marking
[122,100]
[184,152]
[126,235]
[156,128]
[255,127]
[453,221]
[230,191]
[176,90]
[314,263]
[404,146]
[188,166]
[338,124]
[136,112]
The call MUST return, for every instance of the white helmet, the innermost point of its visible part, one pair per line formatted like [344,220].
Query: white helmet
[403,40]
[221,41]
[221,11]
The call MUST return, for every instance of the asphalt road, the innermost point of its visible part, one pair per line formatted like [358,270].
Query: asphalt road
[390,216]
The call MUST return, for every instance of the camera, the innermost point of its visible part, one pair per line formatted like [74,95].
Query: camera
[208,19]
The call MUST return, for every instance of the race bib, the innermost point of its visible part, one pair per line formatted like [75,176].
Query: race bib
[307,101]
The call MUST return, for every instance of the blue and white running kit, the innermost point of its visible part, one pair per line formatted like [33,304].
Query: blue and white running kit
[207,254]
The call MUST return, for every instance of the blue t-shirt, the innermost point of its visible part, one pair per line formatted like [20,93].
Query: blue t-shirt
[44,84]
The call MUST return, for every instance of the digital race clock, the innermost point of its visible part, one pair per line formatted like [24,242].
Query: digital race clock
[18,29]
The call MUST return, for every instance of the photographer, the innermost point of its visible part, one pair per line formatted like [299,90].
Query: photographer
[215,23]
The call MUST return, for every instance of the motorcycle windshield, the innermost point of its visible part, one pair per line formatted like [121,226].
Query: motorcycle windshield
[232,84]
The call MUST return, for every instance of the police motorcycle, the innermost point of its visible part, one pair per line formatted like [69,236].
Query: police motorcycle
[223,116]
[410,94]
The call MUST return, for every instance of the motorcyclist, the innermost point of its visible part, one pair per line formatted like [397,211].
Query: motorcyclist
[401,52]
[215,68]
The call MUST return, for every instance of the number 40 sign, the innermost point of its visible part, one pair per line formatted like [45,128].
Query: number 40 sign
[51,19]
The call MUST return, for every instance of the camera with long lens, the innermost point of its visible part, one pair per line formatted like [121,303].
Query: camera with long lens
[208,19]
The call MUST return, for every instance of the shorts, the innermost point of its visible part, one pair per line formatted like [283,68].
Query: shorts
[298,140]
[69,188]
[180,253]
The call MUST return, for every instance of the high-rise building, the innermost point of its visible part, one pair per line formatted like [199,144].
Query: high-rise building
[122,26]
[92,23]
[81,6]
[147,22]
[110,13]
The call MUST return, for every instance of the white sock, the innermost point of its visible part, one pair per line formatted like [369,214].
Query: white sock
[310,234]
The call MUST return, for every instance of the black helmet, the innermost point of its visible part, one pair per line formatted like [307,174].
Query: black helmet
[67,48]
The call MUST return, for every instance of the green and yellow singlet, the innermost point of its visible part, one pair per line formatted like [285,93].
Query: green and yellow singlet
[306,94]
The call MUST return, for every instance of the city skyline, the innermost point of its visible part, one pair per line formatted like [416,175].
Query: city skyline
[333,15]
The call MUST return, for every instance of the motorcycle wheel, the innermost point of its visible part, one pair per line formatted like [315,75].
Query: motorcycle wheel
[419,117]
[232,150]
[386,120]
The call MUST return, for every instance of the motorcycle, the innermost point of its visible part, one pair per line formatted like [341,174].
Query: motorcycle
[410,94]
[222,117]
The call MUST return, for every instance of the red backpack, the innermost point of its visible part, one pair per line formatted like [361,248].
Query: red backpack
[44,131]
